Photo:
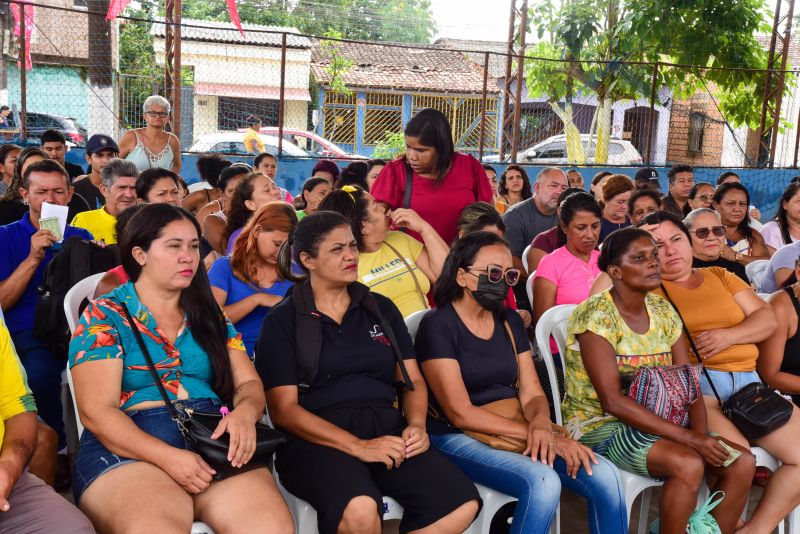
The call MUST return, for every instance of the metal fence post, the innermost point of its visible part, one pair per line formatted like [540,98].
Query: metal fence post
[282,101]
[651,115]
[483,104]
[23,75]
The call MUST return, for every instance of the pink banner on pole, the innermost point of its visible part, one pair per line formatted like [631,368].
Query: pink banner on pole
[15,11]
[115,8]
[234,13]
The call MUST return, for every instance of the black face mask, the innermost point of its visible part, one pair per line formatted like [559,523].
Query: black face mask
[488,295]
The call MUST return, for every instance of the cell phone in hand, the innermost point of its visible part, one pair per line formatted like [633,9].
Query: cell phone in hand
[733,454]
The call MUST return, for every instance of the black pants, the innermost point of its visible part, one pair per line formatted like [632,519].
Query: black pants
[427,486]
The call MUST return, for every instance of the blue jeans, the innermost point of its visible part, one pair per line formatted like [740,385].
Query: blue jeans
[726,382]
[537,487]
[44,378]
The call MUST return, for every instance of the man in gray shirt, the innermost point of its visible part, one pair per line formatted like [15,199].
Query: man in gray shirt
[529,218]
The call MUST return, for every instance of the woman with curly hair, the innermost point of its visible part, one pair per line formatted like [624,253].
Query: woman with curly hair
[253,191]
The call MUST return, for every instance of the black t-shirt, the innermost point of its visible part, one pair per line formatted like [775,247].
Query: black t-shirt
[73,170]
[734,267]
[11,211]
[90,192]
[488,366]
[356,363]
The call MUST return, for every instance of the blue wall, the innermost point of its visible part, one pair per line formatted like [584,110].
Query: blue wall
[765,185]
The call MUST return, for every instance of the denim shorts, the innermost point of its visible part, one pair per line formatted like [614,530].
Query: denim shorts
[726,382]
[94,459]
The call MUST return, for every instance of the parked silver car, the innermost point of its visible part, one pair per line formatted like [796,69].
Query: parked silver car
[553,151]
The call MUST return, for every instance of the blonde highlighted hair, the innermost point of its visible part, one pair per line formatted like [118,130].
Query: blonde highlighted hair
[274,216]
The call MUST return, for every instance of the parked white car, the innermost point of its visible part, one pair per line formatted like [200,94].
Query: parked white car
[553,151]
[233,143]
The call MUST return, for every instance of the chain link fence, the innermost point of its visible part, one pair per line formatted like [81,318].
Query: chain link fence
[338,98]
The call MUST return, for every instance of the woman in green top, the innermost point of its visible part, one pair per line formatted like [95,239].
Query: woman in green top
[610,336]
[314,190]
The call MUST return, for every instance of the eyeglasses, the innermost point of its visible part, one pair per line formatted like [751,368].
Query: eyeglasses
[702,233]
[162,114]
[495,273]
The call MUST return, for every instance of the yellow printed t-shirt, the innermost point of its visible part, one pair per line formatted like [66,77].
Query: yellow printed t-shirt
[251,136]
[710,306]
[101,224]
[599,315]
[15,395]
[385,273]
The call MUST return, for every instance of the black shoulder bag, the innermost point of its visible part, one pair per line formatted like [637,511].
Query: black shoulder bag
[197,427]
[756,410]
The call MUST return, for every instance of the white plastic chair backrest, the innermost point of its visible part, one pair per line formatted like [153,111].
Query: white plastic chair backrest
[412,322]
[525,257]
[754,271]
[554,323]
[529,288]
[72,300]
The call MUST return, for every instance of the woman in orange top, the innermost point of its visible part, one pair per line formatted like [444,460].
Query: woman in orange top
[726,319]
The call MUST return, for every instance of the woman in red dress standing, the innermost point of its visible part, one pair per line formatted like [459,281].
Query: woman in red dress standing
[442,180]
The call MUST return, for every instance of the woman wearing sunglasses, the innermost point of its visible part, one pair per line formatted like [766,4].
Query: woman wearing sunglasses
[152,146]
[708,239]
[474,352]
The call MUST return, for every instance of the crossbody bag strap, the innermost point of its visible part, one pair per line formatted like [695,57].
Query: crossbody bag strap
[413,275]
[691,343]
[150,364]
[409,183]
[514,348]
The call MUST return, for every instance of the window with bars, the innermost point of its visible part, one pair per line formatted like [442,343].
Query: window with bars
[383,115]
[697,121]
[339,118]
[232,112]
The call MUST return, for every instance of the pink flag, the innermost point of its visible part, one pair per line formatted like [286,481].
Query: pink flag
[115,8]
[15,11]
[234,13]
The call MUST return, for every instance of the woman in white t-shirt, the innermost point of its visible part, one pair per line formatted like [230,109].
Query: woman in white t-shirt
[785,227]
[391,263]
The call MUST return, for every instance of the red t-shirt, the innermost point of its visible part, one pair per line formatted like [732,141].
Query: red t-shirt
[439,204]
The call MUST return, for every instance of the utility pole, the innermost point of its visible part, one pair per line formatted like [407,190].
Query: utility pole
[172,62]
[774,83]
[512,89]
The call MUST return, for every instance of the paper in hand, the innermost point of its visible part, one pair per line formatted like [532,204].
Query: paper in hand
[54,218]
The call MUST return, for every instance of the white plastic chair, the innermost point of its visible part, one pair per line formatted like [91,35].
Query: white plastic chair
[72,301]
[554,323]
[492,500]
[525,257]
[529,288]
[754,270]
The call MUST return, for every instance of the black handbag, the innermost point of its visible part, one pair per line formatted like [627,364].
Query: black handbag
[756,410]
[197,427]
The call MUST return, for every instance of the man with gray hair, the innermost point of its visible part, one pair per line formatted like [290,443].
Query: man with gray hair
[529,218]
[119,189]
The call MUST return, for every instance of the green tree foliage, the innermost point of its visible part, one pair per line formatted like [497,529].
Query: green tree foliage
[405,21]
[621,35]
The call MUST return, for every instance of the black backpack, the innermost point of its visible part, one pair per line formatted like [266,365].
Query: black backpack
[308,333]
[77,259]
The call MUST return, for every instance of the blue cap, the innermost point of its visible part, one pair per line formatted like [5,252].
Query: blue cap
[99,142]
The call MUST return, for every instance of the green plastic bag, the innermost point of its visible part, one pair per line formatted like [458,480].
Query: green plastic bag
[701,521]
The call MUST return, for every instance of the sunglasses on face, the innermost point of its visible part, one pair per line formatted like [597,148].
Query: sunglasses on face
[705,198]
[702,233]
[162,114]
[495,274]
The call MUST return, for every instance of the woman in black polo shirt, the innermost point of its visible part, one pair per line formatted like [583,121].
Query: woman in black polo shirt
[329,370]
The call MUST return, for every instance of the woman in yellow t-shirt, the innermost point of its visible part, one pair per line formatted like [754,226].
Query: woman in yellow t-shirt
[391,263]
[726,319]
